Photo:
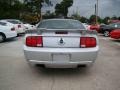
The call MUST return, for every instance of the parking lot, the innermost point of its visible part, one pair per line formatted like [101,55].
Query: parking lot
[16,74]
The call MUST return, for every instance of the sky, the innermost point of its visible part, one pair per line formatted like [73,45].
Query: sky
[86,7]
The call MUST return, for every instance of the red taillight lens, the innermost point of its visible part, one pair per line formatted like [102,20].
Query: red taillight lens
[34,41]
[13,29]
[19,26]
[87,42]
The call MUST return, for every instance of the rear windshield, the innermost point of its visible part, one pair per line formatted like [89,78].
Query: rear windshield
[14,21]
[61,24]
[116,25]
[3,23]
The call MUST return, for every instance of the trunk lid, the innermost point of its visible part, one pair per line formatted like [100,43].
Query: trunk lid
[61,39]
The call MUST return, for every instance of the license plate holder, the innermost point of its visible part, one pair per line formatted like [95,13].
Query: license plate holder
[61,57]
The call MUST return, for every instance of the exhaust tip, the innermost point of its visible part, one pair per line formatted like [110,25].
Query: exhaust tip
[40,65]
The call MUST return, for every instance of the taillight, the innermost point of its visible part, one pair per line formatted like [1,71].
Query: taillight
[34,41]
[13,29]
[19,26]
[87,42]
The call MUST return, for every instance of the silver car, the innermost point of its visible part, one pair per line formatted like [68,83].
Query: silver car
[61,43]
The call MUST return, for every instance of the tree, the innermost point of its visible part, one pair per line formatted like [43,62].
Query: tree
[106,20]
[10,2]
[118,18]
[34,6]
[114,18]
[62,8]
[58,9]
[84,19]
[49,15]
[76,16]
[92,19]
[10,8]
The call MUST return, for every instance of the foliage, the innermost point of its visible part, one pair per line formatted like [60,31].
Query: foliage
[84,20]
[30,18]
[62,8]
[92,19]
[76,16]
[114,18]
[10,8]
[106,20]
[49,15]
[80,18]
[34,7]
[17,10]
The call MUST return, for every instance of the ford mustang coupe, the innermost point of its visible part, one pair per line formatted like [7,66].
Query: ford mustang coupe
[61,43]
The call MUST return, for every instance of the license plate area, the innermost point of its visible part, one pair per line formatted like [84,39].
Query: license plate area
[61,57]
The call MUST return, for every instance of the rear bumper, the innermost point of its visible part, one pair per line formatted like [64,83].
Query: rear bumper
[54,64]
[115,36]
[20,30]
[45,56]
[11,34]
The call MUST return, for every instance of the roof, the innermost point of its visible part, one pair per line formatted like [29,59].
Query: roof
[58,19]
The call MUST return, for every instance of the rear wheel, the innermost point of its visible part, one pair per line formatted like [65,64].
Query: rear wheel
[106,33]
[2,38]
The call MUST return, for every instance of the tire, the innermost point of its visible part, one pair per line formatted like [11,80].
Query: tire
[106,33]
[2,38]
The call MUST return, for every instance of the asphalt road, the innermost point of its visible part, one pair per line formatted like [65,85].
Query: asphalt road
[16,74]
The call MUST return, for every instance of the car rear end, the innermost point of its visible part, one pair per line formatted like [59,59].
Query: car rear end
[20,28]
[95,27]
[11,32]
[115,34]
[8,31]
[61,48]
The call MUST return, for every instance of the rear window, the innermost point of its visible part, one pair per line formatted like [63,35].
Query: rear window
[117,25]
[3,23]
[61,24]
[14,21]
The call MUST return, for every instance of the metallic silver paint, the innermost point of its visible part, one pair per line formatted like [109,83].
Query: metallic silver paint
[66,55]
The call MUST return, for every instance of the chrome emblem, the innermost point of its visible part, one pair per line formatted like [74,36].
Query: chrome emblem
[61,42]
